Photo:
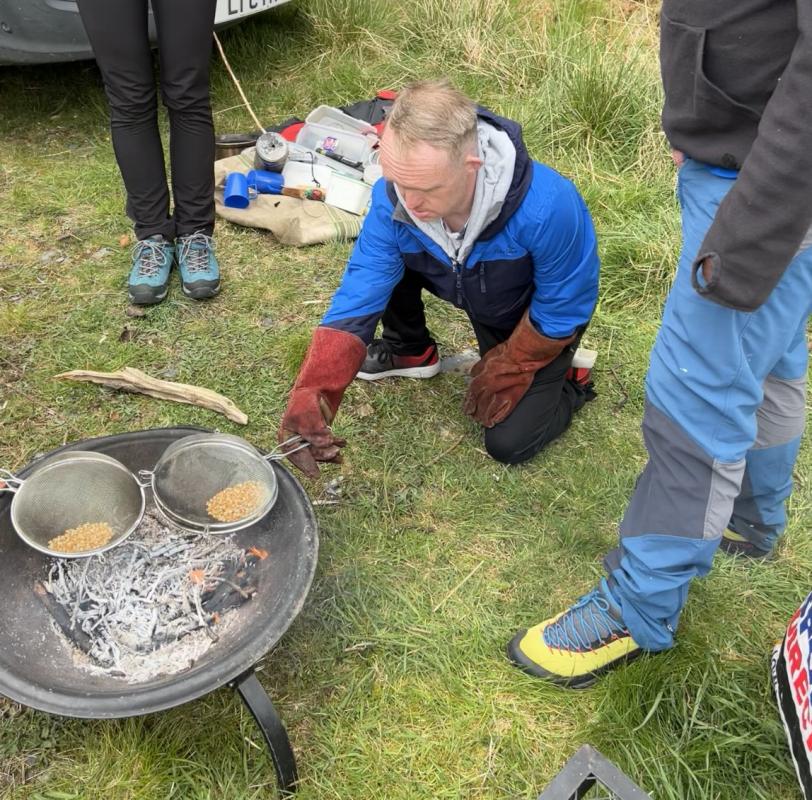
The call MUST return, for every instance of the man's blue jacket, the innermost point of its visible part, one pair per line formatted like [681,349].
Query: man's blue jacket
[539,252]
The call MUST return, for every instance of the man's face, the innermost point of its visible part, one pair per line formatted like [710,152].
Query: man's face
[432,183]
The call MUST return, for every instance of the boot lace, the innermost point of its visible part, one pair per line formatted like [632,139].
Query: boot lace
[194,251]
[150,257]
[586,624]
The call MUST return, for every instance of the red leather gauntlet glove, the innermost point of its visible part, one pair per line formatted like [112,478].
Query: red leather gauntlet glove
[331,362]
[504,374]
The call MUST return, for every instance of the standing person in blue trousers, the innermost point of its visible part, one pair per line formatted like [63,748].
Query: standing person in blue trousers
[118,33]
[726,387]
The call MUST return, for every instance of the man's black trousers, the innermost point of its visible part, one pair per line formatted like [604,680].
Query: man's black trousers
[542,415]
[117,30]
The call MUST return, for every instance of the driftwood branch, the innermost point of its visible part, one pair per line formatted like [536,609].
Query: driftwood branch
[133,380]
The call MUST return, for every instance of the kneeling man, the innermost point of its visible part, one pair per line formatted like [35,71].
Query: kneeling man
[464,212]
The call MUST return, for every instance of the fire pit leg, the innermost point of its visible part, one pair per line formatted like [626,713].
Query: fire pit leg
[276,737]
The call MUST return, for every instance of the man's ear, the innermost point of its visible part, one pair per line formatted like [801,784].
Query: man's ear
[472,163]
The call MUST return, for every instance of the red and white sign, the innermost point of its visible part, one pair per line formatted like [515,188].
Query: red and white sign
[792,679]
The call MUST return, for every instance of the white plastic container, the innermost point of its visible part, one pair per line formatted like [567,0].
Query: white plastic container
[331,117]
[584,359]
[350,145]
[373,169]
[307,156]
[301,174]
[348,194]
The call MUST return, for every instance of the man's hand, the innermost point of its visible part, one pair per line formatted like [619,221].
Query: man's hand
[707,270]
[503,375]
[309,416]
[678,157]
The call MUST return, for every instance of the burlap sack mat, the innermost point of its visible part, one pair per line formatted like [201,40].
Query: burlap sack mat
[292,221]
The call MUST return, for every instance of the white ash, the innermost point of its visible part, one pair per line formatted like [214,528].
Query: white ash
[140,603]
[166,660]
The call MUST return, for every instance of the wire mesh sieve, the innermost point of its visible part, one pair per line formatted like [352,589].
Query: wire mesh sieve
[198,468]
[73,489]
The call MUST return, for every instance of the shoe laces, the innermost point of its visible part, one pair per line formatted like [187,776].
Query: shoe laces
[194,251]
[150,256]
[585,624]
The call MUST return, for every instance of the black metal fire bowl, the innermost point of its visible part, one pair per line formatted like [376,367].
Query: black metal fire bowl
[37,668]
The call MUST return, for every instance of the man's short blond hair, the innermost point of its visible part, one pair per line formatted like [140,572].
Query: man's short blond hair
[436,113]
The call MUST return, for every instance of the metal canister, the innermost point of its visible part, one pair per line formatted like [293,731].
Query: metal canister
[271,152]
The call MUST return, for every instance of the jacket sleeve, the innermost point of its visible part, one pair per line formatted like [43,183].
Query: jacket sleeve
[374,268]
[565,263]
[760,224]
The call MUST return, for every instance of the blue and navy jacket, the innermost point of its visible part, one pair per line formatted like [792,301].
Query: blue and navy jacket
[539,252]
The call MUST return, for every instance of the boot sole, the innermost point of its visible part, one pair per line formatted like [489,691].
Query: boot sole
[201,293]
[751,553]
[147,301]
[409,372]
[519,659]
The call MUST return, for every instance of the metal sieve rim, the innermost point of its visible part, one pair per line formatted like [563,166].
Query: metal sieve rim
[202,440]
[21,497]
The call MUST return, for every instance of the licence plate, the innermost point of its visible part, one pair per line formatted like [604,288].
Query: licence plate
[228,10]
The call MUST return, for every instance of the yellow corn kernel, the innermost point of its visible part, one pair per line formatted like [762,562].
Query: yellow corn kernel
[236,502]
[82,538]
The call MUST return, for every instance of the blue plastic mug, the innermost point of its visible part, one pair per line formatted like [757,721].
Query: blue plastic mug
[235,194]
[266,182]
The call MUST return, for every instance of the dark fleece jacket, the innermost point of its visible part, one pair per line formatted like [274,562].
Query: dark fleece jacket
[738,94]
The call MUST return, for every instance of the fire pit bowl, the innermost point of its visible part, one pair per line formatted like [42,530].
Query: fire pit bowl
[37,668]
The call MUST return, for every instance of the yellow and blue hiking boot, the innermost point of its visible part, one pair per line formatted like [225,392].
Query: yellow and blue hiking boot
[575,647]
[734,544]
[149,276]
[199,270]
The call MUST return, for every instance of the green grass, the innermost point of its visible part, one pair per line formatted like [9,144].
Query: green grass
[383,695]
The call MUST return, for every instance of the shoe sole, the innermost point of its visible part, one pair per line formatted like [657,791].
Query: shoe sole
[203,293]
[147,301]
[519,659]
[409,372]
[730,549]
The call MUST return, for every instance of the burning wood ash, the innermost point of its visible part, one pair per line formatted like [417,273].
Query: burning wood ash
[152,605]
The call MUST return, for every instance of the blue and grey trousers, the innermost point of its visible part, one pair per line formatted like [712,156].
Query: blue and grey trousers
[724,414]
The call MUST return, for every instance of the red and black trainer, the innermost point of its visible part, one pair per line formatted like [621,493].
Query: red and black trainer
[581,370]
[381,362]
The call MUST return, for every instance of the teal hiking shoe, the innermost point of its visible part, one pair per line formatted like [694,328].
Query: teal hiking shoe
[149,276]
[199,270]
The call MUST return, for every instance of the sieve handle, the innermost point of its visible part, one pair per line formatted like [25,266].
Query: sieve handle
[9,482]
[145,478]
[277,454]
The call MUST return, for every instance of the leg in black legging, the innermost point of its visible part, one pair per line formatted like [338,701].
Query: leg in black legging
[541,416]
[404,320]
[117,30]
[184,47]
